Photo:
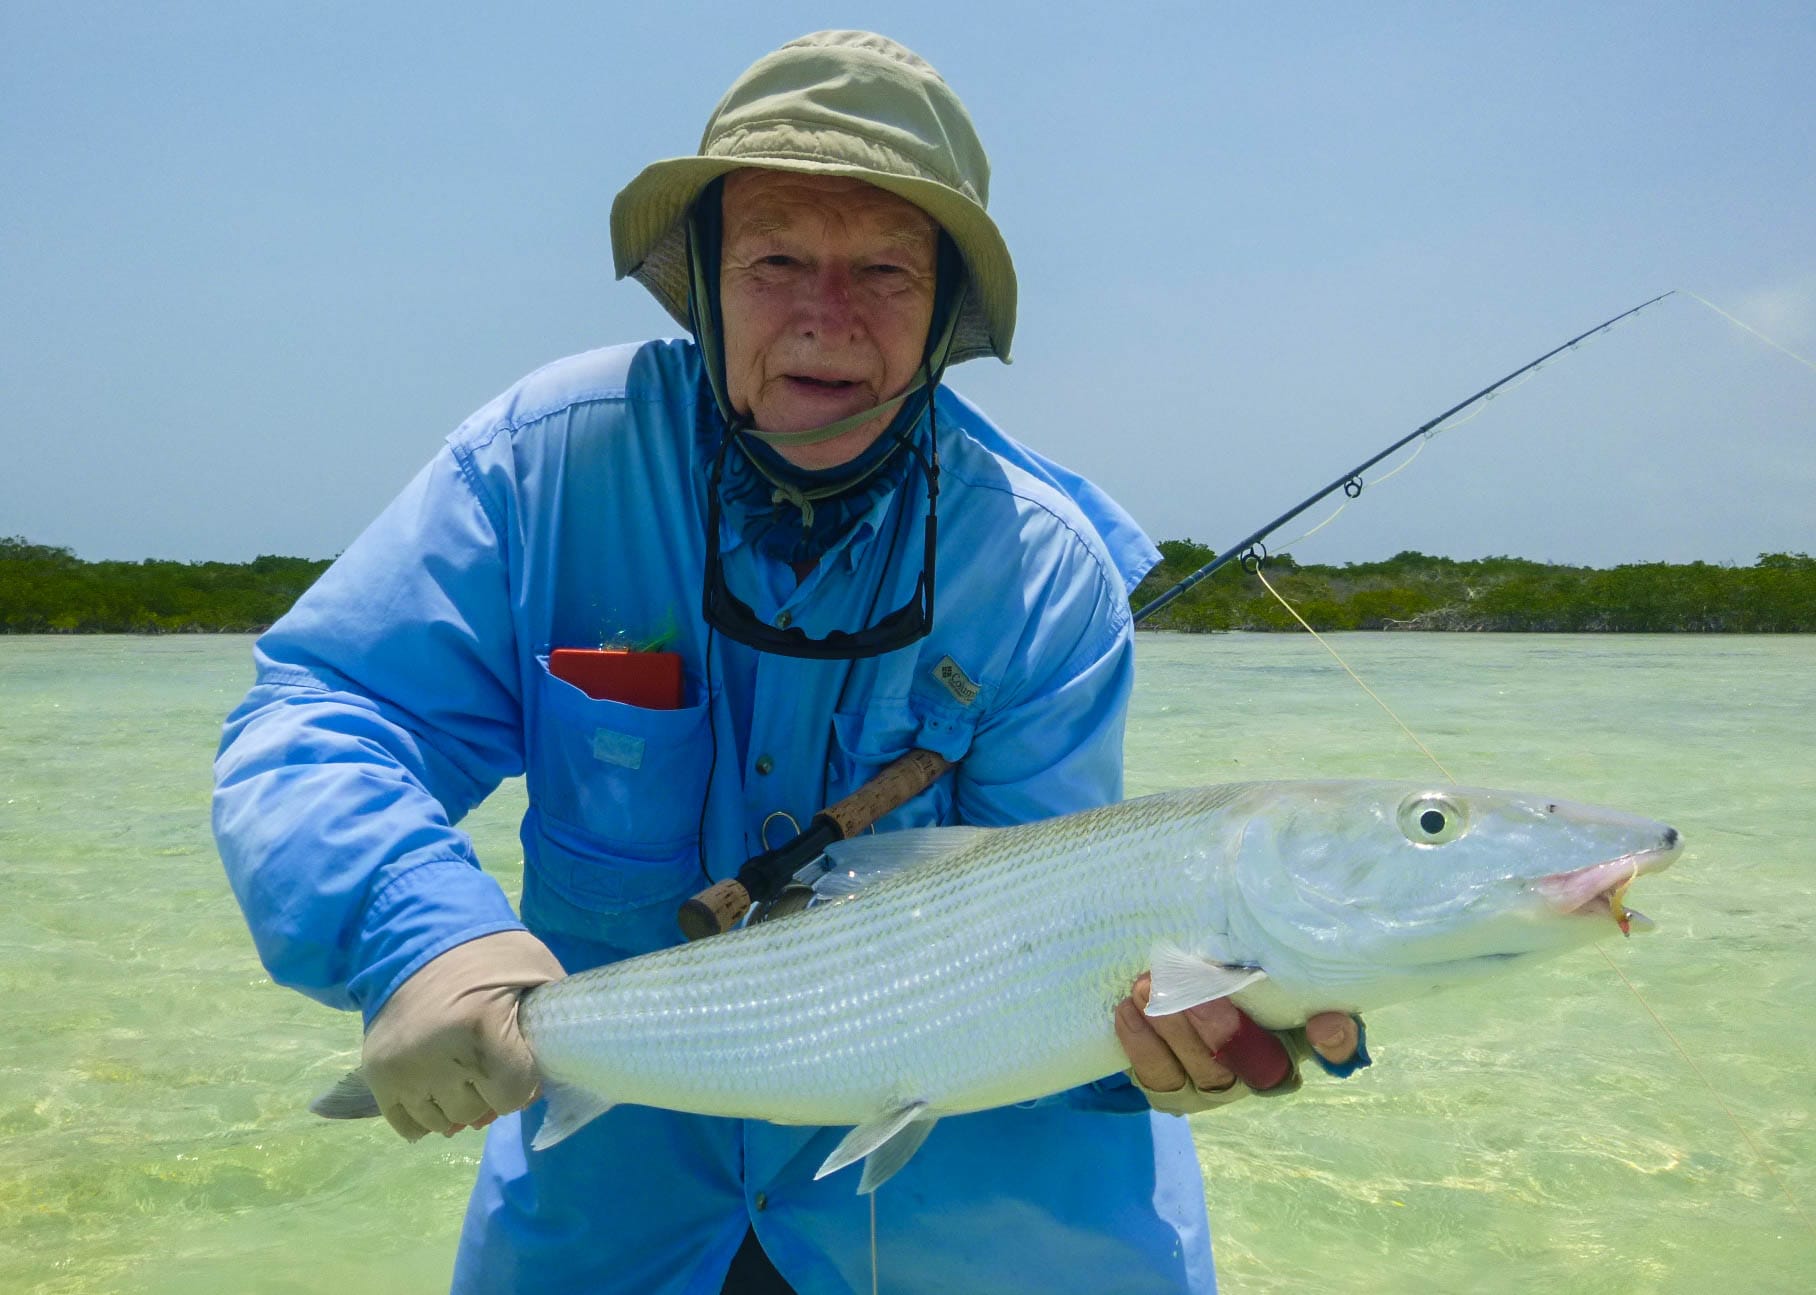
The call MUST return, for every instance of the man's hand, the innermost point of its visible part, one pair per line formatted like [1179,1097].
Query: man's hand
[445,1052]
[1175,1059]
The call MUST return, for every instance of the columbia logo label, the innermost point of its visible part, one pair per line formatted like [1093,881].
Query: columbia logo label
[956,681]
[620,749]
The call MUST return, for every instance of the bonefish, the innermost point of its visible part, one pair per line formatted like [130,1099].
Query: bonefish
[959,968]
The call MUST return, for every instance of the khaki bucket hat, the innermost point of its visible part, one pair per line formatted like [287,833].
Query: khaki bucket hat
[846,103]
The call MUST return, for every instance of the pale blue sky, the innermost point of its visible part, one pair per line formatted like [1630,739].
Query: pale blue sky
[256,259]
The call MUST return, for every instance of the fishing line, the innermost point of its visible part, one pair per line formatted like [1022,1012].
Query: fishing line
[1743,324]
[1430,436]
[1690,1061]
[1352,482]
[1353,487]
[1338,510]
[1353,675]
[1727,1110]
[1251,553]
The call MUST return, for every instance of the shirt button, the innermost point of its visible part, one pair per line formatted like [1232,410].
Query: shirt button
[762,1201]
[765,764]
[783,620]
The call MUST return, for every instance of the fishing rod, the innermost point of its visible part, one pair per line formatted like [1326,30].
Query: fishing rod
[762,880]
[1250,549]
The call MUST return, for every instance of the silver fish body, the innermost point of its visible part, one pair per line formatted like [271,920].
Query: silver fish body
[982,966]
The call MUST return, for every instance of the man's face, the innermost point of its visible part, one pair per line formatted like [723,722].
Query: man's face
[826,294]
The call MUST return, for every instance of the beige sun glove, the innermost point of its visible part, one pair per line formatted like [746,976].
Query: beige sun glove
[1189,1099]
[445,1051]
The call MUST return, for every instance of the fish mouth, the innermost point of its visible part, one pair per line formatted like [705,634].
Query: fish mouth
[1596,891]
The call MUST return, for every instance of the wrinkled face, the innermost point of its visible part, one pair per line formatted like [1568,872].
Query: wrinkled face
[826,295]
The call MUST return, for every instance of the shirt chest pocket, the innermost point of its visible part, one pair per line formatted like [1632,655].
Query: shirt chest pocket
[618,789]
[866,741]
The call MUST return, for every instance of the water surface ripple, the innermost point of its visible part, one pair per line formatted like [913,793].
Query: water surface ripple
[1514,1136]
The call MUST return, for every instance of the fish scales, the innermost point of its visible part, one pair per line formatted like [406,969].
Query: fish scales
[987,977]
[979,967]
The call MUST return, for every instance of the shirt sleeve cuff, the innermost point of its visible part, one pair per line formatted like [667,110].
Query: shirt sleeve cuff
[417,915]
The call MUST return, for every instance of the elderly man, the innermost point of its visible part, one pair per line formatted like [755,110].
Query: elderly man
[762,500]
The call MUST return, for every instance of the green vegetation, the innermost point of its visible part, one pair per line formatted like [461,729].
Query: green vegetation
[1417,592]
[51,591]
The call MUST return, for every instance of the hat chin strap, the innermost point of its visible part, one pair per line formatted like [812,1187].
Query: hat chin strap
[814,435]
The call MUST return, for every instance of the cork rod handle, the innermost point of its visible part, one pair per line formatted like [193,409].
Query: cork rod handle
[722,905]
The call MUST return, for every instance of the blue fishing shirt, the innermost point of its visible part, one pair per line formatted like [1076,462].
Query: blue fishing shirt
[413,678]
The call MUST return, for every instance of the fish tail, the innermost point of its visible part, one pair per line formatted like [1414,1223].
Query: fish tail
[350,1099]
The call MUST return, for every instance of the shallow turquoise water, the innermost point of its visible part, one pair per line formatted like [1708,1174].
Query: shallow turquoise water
[1517,1136]
[1539,1135]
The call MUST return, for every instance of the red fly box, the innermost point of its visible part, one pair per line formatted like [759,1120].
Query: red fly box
[648,679]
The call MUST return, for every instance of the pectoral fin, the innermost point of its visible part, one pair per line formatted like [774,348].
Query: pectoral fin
[1181,980]
[569,1109]
[884,1144]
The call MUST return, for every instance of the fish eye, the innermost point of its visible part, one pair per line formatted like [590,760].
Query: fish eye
[1428,818]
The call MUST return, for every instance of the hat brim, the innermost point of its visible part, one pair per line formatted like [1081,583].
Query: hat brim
[649,243]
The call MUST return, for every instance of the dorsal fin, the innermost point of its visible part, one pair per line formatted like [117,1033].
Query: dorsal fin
[849,866]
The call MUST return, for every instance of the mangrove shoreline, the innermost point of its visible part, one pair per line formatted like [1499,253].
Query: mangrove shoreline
[47,590]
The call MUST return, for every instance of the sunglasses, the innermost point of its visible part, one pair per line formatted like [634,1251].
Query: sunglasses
[732,616]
